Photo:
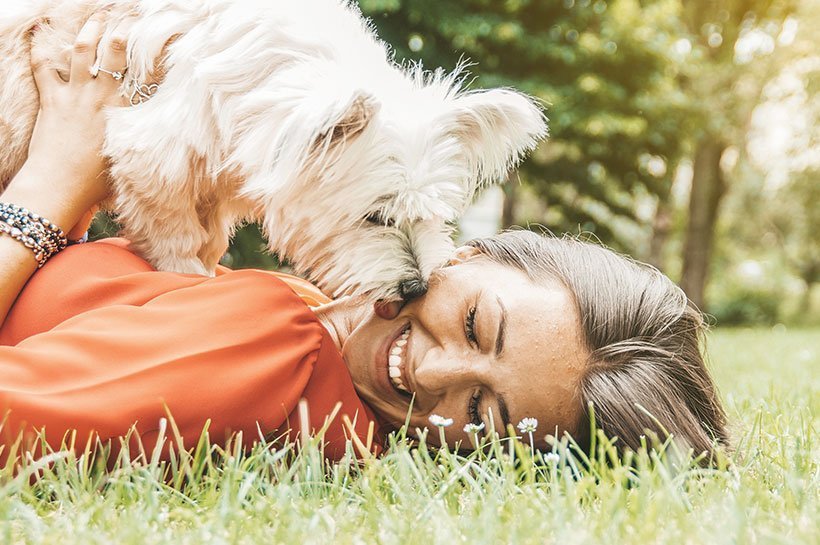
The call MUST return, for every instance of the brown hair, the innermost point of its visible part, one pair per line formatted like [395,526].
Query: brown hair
[646,373]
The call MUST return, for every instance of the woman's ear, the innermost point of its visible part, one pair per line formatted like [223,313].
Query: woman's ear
[463,254]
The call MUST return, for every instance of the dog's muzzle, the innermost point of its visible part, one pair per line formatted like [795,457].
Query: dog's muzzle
[410,289]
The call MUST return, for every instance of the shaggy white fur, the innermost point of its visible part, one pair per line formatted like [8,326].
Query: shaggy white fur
[291,113]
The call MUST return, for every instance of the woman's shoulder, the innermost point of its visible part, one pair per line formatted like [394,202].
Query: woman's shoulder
[310,294]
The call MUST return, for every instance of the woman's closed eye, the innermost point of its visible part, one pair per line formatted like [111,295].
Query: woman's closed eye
[469,327]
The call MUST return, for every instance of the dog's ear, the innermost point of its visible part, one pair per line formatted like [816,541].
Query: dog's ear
[498,127]
[345,120]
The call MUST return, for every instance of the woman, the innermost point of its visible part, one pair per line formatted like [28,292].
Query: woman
[516,326]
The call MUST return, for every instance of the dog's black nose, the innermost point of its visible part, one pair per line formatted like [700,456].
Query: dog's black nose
[410,289]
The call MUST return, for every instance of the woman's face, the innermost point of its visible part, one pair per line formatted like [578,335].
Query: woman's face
[484,338]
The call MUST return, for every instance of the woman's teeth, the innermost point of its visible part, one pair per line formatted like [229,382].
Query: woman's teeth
[395,360]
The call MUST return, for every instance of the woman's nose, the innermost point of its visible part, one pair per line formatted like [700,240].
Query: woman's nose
[440,371]
[387,310]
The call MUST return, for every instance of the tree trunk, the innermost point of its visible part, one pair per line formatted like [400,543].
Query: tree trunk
[510,201]
[805,304]
[708,188]
[809,274]
[661,227]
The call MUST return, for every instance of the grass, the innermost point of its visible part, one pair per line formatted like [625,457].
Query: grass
[768,494]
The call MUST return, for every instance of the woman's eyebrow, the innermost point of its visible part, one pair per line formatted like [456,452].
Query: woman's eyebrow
[502,324]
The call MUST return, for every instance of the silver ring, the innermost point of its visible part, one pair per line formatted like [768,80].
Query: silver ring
[95,70]
[116,75]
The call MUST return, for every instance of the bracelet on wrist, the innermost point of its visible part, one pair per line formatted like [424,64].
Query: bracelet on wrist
[36,233]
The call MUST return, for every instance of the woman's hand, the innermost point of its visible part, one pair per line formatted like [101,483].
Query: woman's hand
[64,153]
[64,175]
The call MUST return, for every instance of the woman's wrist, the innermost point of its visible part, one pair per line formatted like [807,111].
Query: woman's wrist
[48,192]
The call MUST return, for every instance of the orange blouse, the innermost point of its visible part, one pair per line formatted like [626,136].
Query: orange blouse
[98,341]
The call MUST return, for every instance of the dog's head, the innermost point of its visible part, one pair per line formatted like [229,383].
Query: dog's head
[369,183]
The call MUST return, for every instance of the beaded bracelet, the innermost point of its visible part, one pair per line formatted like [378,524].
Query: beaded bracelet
[31,224]
[36,233]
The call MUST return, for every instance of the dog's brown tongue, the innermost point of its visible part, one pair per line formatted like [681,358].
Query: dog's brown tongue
[387,310]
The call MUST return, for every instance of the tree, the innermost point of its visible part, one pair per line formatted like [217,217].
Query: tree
[768,229]
[724,87]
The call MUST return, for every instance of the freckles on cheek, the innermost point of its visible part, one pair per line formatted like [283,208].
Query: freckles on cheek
[569,371]
[566,412]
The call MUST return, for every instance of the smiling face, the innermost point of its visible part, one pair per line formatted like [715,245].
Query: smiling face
[484,338]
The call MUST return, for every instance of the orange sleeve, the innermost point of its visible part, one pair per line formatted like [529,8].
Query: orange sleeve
[98,342]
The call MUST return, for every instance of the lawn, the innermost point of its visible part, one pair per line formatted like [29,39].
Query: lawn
[767,494]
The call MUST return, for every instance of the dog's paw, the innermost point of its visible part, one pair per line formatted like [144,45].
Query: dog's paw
[182,265]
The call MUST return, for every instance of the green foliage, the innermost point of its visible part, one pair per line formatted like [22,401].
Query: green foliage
[741,303]
[249,250]
[768,493]
[724,86]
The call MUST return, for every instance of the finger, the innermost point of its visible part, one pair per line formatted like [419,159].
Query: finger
[84,53]
[114,51]
[113,54]
[42,66]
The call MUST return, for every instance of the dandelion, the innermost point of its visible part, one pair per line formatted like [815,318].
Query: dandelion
[440,421]
[472,430]
[528,426]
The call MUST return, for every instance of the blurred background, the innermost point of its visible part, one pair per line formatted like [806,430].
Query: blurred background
[682,133]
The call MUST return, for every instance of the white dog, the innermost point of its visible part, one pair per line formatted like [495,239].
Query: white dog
[291,113]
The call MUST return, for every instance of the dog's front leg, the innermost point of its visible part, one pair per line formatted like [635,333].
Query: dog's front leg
[164,229]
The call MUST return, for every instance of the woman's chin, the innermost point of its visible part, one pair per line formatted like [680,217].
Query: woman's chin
[342,317]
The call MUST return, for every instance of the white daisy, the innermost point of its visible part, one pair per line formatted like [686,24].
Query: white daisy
[440,421]
[473,428]
[551,458]
[528,425]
